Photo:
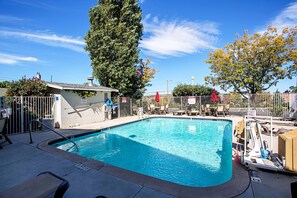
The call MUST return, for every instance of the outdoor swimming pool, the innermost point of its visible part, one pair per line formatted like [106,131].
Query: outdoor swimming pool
[191,152]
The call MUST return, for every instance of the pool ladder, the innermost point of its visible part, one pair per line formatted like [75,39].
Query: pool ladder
[38,121]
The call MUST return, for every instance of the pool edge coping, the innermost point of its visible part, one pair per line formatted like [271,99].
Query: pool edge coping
[237,185]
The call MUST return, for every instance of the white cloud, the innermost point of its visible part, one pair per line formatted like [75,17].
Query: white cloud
[48,39]
[10,19]
[174,38]
[141,1]
[34,3]
[286,18]
[13,59]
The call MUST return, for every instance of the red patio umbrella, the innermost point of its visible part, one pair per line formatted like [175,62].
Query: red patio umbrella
[157,97]
[214,96]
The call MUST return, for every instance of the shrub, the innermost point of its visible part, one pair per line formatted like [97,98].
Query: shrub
[192,90]
[27,87]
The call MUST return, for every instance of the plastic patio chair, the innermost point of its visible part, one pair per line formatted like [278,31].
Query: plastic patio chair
[220,110]
[162,109]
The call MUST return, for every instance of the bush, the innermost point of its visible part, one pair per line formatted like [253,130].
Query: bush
[27,87]
[192,90]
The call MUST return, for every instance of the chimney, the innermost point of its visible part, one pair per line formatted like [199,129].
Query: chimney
[90,79]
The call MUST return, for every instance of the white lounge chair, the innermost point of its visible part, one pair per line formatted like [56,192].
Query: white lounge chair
[179,112]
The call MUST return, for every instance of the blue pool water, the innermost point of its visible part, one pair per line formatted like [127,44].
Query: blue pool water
[188,152]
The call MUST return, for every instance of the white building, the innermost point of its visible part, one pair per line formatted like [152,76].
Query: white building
[70,109]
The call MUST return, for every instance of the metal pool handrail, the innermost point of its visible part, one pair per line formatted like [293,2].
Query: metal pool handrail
[37,120]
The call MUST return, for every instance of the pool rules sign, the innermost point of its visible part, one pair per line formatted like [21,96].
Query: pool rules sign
[124,100]
[192,100]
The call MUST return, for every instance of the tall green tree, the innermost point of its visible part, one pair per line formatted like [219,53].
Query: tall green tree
[112,43]
[255,63]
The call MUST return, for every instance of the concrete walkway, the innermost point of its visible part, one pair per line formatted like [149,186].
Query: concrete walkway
[21,161]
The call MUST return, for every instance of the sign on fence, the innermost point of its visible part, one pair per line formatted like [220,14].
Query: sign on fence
[124,100]
[192,100]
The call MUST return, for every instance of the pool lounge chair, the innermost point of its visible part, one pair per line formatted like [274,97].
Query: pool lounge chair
[44,185]
[192,112]
[179,112]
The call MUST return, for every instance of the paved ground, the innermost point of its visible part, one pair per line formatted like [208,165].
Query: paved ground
[21,161]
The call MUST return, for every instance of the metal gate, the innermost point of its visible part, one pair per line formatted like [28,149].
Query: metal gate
[27,108]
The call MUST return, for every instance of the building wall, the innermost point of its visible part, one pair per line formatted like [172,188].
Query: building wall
[77,111]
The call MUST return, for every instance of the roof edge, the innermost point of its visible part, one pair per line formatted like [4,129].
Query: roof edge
[102,88]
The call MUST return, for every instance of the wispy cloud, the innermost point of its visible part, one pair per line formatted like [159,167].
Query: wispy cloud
[176,38]
[13,59]
[286,18]
[34,3]
[10,19]
[75,44]
[141,1]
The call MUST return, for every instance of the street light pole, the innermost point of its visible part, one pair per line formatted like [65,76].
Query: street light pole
[167,81]
[193,80]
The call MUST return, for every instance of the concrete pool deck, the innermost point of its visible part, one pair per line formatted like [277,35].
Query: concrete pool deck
[89,178]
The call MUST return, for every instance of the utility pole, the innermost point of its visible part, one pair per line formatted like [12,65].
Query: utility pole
[167,85]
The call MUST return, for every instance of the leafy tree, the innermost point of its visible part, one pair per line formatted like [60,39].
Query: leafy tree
[254,63]
[27,87]
[292,89]
[112,43]
[192,90]
[148,73]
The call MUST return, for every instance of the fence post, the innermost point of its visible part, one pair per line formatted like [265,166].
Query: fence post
[181,103]
[119,107]
[249,102]
[131,107]
[22,114]
[200,104]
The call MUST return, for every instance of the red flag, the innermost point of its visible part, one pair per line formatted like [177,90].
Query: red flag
[214,96]
[157,98]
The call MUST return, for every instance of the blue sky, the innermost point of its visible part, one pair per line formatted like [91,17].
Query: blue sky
[46,36]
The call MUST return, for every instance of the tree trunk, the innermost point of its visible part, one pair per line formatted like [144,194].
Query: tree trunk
[252,99]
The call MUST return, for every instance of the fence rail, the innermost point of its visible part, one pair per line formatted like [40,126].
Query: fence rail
[27,108]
